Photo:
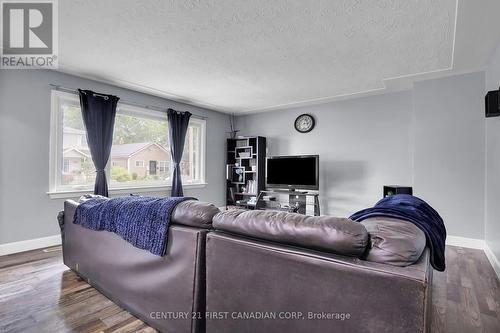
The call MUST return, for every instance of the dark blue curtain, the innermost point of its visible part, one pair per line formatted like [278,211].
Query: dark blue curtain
[178,123]
[98,112]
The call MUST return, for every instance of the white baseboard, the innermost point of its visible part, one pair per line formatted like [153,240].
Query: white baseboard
[471,243]
[493,259]
[30,244]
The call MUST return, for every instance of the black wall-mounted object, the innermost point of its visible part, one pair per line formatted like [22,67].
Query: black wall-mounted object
[491,104]
[396,189]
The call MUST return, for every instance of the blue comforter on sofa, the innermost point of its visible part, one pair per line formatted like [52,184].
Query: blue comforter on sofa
[142,221]
[417,211]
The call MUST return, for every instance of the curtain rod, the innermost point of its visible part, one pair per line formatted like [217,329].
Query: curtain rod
[124,101]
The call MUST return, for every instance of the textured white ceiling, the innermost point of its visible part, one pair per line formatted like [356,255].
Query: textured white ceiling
[244,56]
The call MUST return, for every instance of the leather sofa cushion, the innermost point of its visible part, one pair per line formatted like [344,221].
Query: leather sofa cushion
[325,233]
[394,241]
[194,213]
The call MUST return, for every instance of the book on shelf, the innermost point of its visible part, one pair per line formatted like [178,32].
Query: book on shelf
[251,187]
[231,194]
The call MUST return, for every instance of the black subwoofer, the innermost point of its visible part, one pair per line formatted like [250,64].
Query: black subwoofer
[397,189]
[491,104]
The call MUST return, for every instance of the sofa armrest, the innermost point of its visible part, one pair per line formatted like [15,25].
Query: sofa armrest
[194,213]
[69,210]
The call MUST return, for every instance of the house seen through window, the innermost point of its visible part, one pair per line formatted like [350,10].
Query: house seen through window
[140,155]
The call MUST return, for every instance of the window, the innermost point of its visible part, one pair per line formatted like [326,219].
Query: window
[66,165]
[71,165]
[163,166]
[140,155]
[140,139]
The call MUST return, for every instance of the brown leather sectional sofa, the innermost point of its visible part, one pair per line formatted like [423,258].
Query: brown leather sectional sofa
[259,271]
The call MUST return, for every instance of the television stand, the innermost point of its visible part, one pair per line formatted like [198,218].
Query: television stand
[295,202]
[291,191]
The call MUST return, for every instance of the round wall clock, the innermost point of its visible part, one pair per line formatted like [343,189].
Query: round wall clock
[304,123]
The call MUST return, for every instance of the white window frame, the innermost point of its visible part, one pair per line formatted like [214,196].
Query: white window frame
[203,139]
[162,164]
[57,190]
[142,164]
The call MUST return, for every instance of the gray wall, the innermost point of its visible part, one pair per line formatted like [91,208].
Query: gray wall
[431,138]
[362,143]
[449,152]
[492,227]
[26,211]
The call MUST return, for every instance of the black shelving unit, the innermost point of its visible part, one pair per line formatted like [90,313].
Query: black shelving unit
[245,170]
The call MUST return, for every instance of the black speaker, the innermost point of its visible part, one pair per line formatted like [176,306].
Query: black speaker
[397,189]
[491,104]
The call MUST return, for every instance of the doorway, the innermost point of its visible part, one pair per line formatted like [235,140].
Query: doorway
[152,168]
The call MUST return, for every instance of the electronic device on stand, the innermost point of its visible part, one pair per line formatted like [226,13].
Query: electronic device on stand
[286,178]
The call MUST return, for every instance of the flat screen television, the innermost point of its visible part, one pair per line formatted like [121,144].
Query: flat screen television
[293,172]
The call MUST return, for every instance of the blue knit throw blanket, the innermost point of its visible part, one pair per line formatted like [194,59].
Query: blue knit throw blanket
[141,221]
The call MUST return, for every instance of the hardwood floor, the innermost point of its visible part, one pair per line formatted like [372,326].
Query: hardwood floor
[466,297]
[39,294]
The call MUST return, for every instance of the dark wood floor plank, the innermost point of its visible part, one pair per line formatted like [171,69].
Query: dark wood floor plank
[453,321]
[39,294]
[490,324]
[470,310]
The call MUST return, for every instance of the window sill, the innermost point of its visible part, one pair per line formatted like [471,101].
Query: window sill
[117,191]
